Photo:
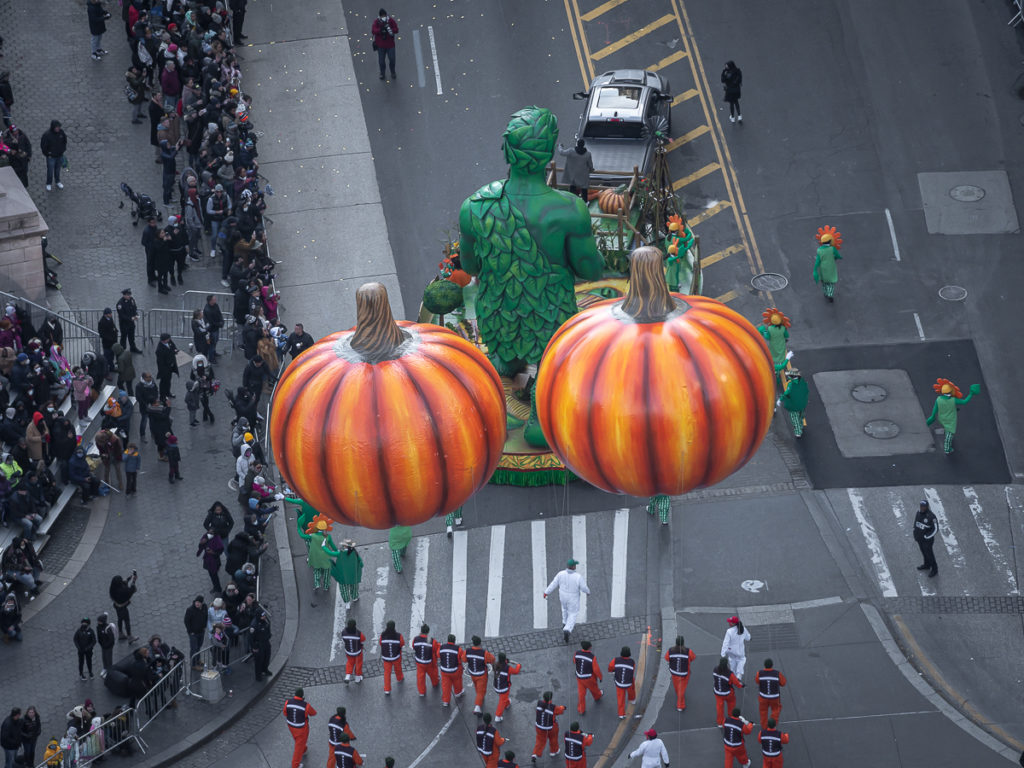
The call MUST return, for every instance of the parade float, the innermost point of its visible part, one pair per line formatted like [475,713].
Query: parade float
[387,423]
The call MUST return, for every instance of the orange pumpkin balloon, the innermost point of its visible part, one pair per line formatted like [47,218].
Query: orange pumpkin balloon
[655,393]
[387,423]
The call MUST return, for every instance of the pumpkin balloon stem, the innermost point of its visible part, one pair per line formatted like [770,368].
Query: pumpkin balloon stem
[648,299]
[377,335]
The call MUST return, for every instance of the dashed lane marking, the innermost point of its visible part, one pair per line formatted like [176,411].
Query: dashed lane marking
[687,137]
[685,96]
[716,257]
[603,8]
[726,297]
[672,58]
[695,176]
[707,213]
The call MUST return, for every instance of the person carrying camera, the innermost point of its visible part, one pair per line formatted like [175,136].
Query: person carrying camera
[384,30]
[121,591]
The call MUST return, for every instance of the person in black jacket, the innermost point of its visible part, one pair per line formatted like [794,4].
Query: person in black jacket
[85,641]
[254,375]
[31,728]
[10,735]
[6,94]
[166,363]
[195,626]
[106,636]
[214,322]
[732,80]
[260,640]
[237,20]
[127,316]
[21,152]
[219,520]
[298,342]
[108,338]
[149,238]
[146,392]
[160,424]
[177,246]
[54,144]
[97,26]
[121,591]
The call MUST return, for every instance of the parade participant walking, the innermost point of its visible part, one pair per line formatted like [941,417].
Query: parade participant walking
[297,712]
[945,407]
[652,752]
[732,81]
[509,761]
[337,727]
[348,572]
[345,755]
[769,692]
[503,670]
[775,330]
[488,741]
[452,518]
[679,659]
[449,661]
[588,673]
[576,743]
[725,696]
[384,30]
[569,584]
[547,726]
[624,669]
[733,730]
[353,640]
[825,268]
[425,650]
[925,528]
[772,739]
[734,645]
[476,660]
[391,644]
[794,400]
[398,541]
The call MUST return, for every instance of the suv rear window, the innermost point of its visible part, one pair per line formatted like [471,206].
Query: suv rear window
[613,129]
[618,97]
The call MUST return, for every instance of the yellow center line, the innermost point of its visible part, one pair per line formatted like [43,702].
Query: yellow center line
[714,258]
[601,9]
[576,45]
[632,37]
[693,221]
[685,96]
[574,19]
[726,297]
[670,59]
[686,138]
[695,176]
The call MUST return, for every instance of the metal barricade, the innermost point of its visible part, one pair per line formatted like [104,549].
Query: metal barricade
[224,660]
[162,695]
[176,322]
[193,300]
[118,733]
[79,337]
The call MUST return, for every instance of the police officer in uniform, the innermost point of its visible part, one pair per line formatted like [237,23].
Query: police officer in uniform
[391,644]
[503,671]
[588,672]
[679,658]
[488,740]
[624,669]
[345,755]
[925,527]
[772,740]
[353,641]
[297,712]
[576,743]
[449,661]
[477,659]
[733,730]
[337,727]
[260,639]
[127,316]
[547,726]
[769,692]
[425,650]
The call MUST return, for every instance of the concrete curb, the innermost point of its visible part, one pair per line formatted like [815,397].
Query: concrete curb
[229,711]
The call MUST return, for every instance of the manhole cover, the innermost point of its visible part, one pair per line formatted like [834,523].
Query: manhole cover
[967,193]
[868,393]
[952,293]
[882,429]
[769,281]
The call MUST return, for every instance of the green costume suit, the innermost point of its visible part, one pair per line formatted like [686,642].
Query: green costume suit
[794,400]
[776,336]
[825,268]
[945,409]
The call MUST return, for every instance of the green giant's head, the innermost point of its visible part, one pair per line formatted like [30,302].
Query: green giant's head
[530,138]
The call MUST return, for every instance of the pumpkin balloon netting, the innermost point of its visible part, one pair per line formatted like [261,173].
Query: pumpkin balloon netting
[388,424]
[656,393]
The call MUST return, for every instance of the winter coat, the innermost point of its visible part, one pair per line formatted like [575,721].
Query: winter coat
[220,524]
[34,439]
[108,331]
[10,733]
[732,80]
[85,639]
[577,167]
[97,18]
[106,635]
[166,360]
[195,619]
[125,366]
[146,393]
[132,461]
[384,32]
[54,144]
[210,547]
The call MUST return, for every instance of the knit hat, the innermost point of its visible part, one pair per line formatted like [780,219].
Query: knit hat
[218,602]
[172,440]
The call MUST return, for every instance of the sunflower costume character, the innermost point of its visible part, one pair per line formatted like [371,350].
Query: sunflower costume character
[825,268]
[321,549]
[775,330]
[679,241]
[946,405]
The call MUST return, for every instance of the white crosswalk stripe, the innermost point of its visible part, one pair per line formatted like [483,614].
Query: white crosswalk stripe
[419,586]
[579,552]
[619,548]
[974,548]
[540,577]
[458,614]
[495,577]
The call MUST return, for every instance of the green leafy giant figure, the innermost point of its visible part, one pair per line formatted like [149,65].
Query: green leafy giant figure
[527,242]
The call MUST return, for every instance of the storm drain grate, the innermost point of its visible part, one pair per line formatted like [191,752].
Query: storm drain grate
[1010,604]
[770,637]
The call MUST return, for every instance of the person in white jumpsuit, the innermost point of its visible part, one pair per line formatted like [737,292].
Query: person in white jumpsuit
[652,751]
[569,584]
[734,646]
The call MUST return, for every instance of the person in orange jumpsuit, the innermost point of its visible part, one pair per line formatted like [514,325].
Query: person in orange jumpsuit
[576,743]
[547,726]
[503,671]
[449,661]
[353,641]
[769,692]
[488,740]
[391,645]
[772,740]
[297,712]
[725,696]
[337,727]
[624,669]
[679,659]
[588,673]
[476,660]
[425,650]
[734,729]
[509,761]
[345,755]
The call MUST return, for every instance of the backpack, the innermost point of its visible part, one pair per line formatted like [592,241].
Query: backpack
[130,93]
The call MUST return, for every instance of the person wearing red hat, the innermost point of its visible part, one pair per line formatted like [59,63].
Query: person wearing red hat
[652,752]
[679,659]
[725,696]
[734,645]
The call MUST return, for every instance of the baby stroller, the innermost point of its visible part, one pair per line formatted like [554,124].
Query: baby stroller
[142,205]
